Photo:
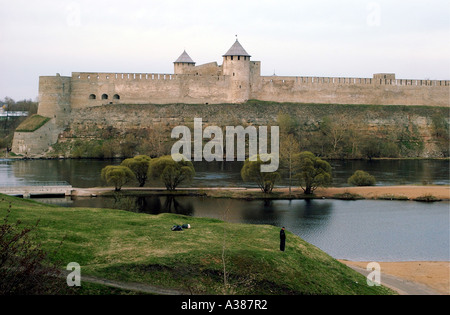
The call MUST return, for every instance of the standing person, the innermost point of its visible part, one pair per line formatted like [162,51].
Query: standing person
[282,239]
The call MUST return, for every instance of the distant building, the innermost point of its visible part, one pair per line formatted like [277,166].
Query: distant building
[4,114]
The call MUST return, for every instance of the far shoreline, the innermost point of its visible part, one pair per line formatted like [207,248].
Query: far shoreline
[428,193]
[45,157]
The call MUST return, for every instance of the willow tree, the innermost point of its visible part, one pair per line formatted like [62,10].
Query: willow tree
[139,166]
[251,172]
[311,171]
[170,172]
[117,176]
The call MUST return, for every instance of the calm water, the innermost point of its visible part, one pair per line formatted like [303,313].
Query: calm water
[355,230]
[86,173]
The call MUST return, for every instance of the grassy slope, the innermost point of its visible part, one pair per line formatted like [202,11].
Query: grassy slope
[135,247]
[32,123]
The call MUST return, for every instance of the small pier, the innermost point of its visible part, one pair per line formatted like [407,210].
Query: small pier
[30,189]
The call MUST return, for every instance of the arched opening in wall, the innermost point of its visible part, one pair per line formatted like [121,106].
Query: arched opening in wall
[104,96]
[92,97]
[116,97]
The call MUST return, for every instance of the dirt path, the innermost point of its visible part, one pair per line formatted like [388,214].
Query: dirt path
[132,286]
[411,277]
[407,278]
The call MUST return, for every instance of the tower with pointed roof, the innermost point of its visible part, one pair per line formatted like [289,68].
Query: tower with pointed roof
[183,63]
[236,65]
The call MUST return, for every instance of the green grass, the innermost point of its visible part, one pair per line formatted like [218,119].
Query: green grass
[32,123]
[133,247]
[427,198]
[392,197]
[348,196]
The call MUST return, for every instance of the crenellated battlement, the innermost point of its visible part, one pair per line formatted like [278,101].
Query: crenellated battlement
[237,80]
[122,76]
[354,81]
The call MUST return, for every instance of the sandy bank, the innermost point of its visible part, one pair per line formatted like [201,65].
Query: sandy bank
[376,192]
[434,274]
[373,192]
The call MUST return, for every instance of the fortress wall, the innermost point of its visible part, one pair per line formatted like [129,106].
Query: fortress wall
[36,142]
[206,69]
[330,90]
[149,88]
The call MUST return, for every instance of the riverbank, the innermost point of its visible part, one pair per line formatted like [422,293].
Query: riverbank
[370,192]
[140,248]
[433,274]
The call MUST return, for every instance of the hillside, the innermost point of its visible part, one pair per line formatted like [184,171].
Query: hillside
[141,248]
[330,131]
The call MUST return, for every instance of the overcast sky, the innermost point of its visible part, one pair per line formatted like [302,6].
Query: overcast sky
[352,38]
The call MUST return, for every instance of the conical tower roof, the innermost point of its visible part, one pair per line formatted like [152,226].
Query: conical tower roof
[236,50]
[184,58]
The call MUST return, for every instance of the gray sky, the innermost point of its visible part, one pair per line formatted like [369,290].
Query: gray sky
[352,38]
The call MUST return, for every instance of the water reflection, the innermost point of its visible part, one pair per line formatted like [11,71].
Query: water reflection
[355,230]
[86,173]
[273,212]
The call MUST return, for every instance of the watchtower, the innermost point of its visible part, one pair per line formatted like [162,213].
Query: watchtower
[236,65]
[54,98]
[183,64]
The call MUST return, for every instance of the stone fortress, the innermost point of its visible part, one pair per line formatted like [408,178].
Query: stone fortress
[237,80]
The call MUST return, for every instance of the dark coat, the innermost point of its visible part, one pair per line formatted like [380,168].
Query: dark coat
[282,240]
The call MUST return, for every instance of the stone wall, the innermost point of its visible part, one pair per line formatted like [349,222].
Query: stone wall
[326,90]
[240,82]
[30,144]
[93,89]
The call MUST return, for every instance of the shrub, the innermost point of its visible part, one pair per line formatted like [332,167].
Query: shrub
[348,196]
[361,178]
[24,266]
[427,198]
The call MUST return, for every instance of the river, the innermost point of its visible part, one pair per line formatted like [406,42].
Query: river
[86,173]
[355,230]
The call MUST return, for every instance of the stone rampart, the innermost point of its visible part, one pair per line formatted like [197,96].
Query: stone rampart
[36,142]
[94,89]
[329,90]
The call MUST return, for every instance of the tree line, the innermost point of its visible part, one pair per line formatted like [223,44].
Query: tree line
[337,135]
[304,169]
[344,137]
[9,124]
